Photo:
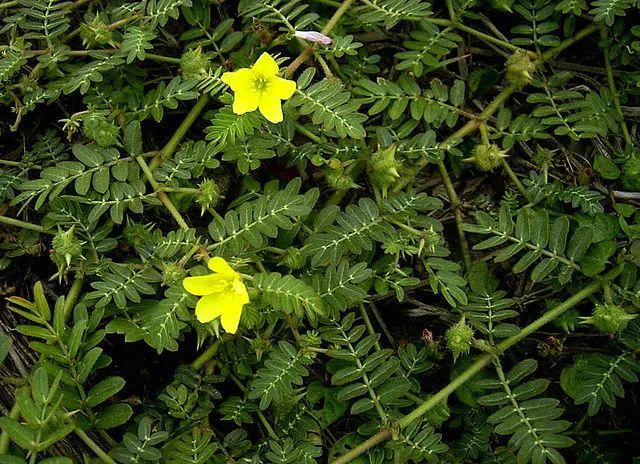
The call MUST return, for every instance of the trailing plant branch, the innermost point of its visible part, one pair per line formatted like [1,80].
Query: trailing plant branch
[171,146]
[480,363]
[22,224]
[457,213]
[614,90]
[93,446]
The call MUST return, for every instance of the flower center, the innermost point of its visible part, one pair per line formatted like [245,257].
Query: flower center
[260,83]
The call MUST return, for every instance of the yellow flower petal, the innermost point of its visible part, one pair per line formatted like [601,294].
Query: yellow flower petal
[240,290]
[205,285]
[282,88]
[271,108]
[240,80]
[211,306]
[230,318]
[266,66]
[245,101]
[220,265]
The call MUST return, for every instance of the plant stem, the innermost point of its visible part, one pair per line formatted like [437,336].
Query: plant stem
[163,59]
[480,363]
[19,223]
[479,34]
[4,437]
[166,201]
[452,12]
[171,146]
[614,91]
[383,435]
[207,354]
[581,34]
[381,323]
[332,3]
[516,181]
[307,133]
[93,446]
[368,325]
[5,5]
[306,53]
[267,426]
[72,296]
[457,213]
[19,164]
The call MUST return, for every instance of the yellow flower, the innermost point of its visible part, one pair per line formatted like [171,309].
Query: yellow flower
[223,294]
[259,87]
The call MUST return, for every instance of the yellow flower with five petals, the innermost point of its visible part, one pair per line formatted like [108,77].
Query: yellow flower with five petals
[223,294]
[259,87]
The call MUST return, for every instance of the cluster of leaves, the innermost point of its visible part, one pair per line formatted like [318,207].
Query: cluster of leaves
[417,214]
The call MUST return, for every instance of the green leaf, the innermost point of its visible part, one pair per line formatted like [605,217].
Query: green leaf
[595,259]
[606,167]
[104,390]
[113,416]
[289,294]
[20,434]
[132,139]
[40,301]
[331,106]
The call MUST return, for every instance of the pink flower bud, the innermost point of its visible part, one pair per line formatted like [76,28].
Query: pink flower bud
[314,36]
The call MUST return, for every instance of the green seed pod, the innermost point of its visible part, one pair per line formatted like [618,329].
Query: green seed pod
[520,69]
[383,169]
[172,273]
[543,157]
[135,234]
[431,239]
[459,338]
[630,177]
[208,195]
[95,33]
[99,129]
[66,249]
[293,259]
[488,157]
[609,318]
[336,178]
[568,320]
[194,64]
[310,339]
[437,415]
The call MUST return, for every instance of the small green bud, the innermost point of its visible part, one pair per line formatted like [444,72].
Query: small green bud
[194,64]
[293,259]
[66,249]
[336,178]
[310,339]
[609,318]
[135,234]
[383,169]
[520,69]
[208,195]
[487,157]
[431,239]
[459,338]
[437,415]
[543,156]
[172,273]
[101,130]
[95,33]
[630,177]
[568,320]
